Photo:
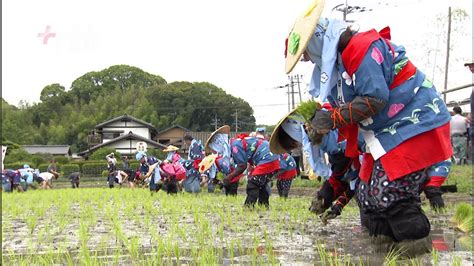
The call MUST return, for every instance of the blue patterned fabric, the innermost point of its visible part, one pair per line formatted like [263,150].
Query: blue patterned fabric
[287,162]
[256,156]
[414,107]
[196,150]
[150,160]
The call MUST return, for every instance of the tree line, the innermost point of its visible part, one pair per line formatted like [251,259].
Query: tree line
[66,116]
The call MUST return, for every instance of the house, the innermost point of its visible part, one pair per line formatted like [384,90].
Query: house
[172,136]
[122,134]
[124,124]
[126,144]
[55,150]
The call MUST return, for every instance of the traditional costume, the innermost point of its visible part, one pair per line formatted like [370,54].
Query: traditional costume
[375,89]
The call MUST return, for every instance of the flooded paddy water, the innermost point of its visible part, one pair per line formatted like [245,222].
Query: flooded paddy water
[124,226]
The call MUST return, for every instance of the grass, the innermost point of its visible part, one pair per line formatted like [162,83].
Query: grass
[461,175]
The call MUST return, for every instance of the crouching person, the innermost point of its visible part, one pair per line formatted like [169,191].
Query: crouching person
[75,177]
[286,174]
[150,168]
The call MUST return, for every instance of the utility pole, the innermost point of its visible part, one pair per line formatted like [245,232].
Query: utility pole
[292,93]
[299,88]
[236,120]
[215,121]
[345,12]
[447,54]
[288,92]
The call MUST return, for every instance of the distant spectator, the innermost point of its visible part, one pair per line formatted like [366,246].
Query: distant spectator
[111,162]
[126,163]
[75,178]
[459,135]
[53,169]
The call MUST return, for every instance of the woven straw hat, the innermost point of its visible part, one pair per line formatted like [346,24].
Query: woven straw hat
[171,148]
[223,129]
[303,29]
[275,145]
[207,162]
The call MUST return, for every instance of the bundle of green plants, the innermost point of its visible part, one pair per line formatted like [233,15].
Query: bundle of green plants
[462,218]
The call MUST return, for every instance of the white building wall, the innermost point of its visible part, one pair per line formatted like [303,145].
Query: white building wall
[143,132]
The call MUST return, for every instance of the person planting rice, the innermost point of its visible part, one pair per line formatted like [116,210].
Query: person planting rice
[340,173]
[196,150]
[53,169]
[47,179]
[119,177]
[218,144]
[211,165]
[12,180]
[75,178]
[245,150]
[150,168]
[286,174]
[374,88]
[28,175]
[183,171]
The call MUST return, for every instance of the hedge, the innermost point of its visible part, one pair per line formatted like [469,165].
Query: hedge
[93,169]
[67,169]
[16,165]
[44,167]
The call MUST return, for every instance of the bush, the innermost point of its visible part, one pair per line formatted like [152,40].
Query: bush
[17,155]
[134,165]
[43,167]
[102,152]
[158,153]
[67,169]
[61,160]
[93,169]
[16,165]
[38,159]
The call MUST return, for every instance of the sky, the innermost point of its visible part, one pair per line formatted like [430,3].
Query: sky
[237,45]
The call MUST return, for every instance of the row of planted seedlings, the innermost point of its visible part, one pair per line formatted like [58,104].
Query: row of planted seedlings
[124,225]
[84,224]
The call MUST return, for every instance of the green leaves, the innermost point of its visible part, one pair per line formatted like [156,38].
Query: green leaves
[307,109]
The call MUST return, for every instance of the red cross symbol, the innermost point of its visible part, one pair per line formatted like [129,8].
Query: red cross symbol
[46,35]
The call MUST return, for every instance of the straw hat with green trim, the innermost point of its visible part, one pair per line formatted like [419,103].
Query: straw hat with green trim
[207,162]
[224,130]
[171,148]
[303,113]
[275,145]
[303,29]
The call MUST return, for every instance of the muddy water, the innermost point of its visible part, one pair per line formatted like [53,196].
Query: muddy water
[258,237]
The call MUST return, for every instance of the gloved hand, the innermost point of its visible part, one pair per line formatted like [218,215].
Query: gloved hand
[434,196]
[323,199]
[360,108]
[322,121]
[335,211]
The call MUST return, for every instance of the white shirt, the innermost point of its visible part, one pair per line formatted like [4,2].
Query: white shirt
[46,176]
[458,124]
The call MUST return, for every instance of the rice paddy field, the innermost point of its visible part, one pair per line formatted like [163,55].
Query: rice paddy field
[102,226]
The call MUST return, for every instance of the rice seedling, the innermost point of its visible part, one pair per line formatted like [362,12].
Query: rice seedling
[456,261]
[31,223]
[435,256]
[393,256]
[462,218]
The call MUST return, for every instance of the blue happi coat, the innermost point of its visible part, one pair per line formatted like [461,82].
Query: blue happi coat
[414,107]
